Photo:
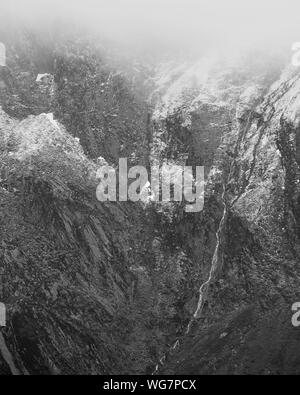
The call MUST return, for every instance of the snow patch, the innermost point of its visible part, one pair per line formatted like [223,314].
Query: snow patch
[52,120]
[46,77]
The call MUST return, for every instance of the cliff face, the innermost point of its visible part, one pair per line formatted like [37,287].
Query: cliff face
[65,258]
[98,105]
[250,274]
[101,288]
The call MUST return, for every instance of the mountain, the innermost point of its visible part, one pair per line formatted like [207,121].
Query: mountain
[124,287]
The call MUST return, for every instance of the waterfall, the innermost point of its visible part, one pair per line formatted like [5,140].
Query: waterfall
[214,264]
[204,287]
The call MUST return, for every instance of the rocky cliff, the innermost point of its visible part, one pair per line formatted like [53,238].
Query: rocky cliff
[246,241]
[114,287]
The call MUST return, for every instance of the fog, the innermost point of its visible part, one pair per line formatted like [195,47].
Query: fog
[182,26]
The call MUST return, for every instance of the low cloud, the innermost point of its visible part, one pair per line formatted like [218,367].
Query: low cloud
[168,25]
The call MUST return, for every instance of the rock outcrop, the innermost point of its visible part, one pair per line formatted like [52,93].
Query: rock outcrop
[65,258]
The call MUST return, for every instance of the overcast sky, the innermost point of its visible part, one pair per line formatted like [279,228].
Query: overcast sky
[184,24]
